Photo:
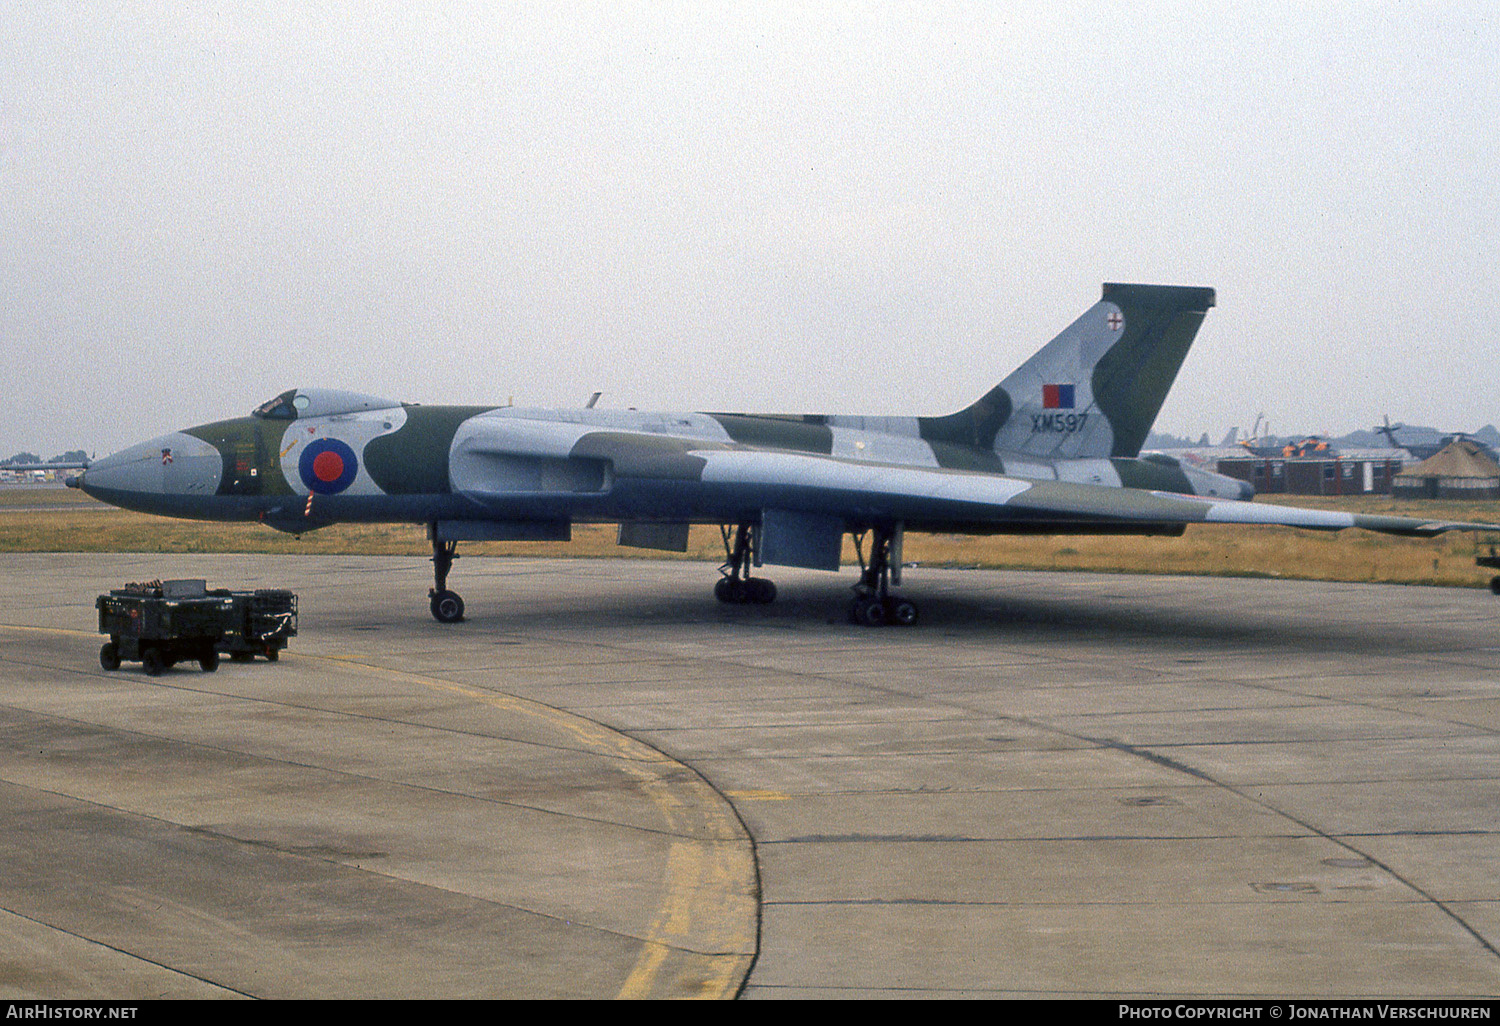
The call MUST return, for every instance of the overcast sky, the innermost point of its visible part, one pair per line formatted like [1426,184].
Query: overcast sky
[871,208]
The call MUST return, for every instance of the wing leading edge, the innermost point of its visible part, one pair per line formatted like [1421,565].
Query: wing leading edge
[991,503]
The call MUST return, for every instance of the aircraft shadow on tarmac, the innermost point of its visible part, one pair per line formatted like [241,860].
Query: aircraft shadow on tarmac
[1116,610]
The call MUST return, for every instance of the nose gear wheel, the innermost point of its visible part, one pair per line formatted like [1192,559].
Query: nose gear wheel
[446,605]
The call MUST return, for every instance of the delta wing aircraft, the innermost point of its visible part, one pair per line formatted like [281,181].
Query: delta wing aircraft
[1055,448]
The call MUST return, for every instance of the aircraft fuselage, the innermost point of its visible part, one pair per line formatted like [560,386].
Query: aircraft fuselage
[420,464]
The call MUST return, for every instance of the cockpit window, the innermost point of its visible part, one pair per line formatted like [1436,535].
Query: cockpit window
[284,407]
[320,402]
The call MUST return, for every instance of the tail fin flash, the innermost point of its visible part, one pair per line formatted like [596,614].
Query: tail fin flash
[1095,389]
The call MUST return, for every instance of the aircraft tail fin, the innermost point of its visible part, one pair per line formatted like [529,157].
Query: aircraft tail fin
[1095,389]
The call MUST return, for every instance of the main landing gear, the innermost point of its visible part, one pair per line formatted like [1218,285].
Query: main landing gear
[873,604]
[735,585]
[447,607]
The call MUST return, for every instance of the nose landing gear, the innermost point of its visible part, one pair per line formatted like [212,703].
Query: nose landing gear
[446,605]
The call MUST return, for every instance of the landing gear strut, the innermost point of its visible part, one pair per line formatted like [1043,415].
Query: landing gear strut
[447,607]
[735,585]
[873,604]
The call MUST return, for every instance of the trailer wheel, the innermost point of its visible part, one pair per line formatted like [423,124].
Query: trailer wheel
[109,656]
[272,653]
[209,660]
[152,661]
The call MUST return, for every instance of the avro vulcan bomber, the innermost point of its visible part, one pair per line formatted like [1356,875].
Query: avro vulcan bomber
[1055,448]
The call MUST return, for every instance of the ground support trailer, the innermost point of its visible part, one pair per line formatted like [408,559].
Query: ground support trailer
[263,620]
[1493,562]
[163,623]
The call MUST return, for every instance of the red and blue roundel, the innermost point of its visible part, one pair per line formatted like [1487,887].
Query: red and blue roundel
[327,466]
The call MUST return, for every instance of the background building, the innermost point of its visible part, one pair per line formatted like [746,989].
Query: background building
[1461,470]
[1325,471]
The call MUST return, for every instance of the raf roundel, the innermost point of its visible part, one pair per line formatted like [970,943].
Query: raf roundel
[328,466]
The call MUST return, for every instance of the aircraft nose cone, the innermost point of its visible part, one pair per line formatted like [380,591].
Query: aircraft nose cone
[156,476]
[1247,491]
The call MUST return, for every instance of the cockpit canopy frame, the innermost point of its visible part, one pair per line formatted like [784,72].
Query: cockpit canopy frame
[301,403]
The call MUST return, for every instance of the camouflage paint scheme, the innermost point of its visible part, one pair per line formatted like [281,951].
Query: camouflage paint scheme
[1054,448]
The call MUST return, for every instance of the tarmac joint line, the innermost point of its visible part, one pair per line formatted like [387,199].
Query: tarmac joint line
[703,939]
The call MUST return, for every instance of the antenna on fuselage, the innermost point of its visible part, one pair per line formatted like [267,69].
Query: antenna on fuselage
[592,400]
